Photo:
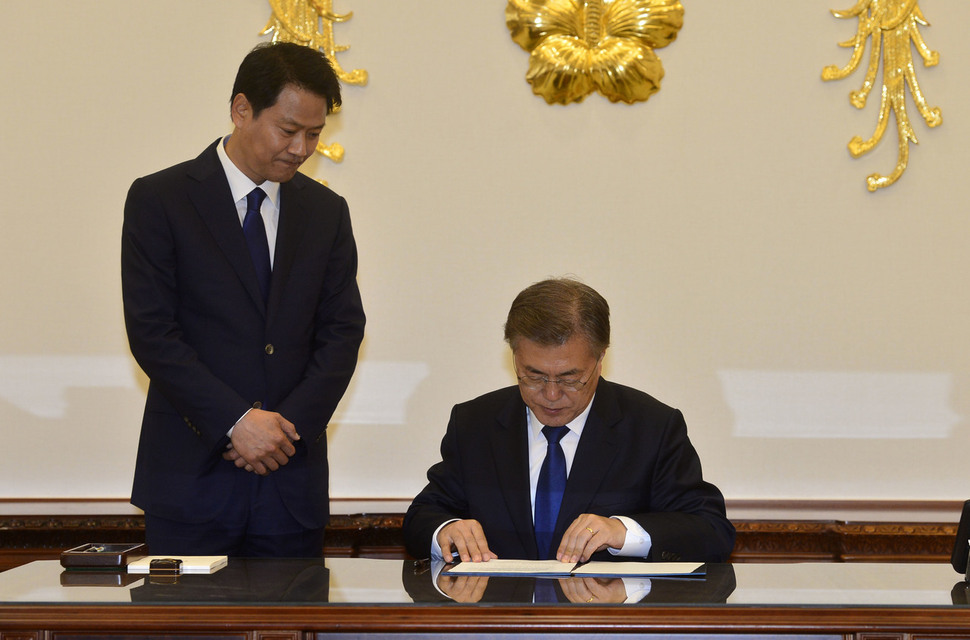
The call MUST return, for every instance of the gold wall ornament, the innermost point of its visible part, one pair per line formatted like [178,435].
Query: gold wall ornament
[893,27]
[578,47]
[310,23]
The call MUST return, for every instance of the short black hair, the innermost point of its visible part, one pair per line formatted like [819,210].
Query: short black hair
[272,66]
[551,312]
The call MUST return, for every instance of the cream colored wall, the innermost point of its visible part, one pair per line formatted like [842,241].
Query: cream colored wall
[814,334]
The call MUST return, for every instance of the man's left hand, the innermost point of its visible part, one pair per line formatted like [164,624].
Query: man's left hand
[589,534]
[261,442]
[593,590]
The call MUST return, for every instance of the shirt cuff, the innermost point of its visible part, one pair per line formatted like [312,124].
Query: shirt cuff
[637,543]
[636,589]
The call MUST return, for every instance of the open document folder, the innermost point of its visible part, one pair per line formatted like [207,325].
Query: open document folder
[555,568]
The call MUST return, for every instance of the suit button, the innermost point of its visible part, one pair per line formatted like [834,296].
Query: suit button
[257,405]
[269,349]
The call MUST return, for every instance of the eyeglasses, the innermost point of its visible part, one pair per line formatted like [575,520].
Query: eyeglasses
[538,383]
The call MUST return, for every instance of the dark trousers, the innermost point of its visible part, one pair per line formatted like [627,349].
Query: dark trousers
[254,524]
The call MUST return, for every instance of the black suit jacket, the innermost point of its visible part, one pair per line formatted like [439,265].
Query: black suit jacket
[634,459]
[212,349]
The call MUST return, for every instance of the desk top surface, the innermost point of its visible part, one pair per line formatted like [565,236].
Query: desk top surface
[350,581]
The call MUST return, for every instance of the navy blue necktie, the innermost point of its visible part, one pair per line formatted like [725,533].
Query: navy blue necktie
[545,590]
[255,234]
[549,490]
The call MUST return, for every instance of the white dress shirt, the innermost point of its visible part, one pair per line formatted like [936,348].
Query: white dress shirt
[241,185]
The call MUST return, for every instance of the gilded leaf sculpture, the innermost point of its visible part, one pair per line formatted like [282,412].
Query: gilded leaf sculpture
[893,28]
[578,47]
[300,21]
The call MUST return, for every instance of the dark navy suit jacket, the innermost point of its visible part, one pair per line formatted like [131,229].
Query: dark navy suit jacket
[634,459]
[212,349]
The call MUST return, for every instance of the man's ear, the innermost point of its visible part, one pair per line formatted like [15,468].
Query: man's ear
[240,110]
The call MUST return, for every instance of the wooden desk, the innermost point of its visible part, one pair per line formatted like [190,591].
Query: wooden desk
[344,598]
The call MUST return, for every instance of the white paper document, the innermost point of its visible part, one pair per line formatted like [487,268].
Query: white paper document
[556,568]
[646,569]
[512,567]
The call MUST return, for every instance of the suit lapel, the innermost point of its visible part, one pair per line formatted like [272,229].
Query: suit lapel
[510,454]
[212,199]
[597,448]
[289,235]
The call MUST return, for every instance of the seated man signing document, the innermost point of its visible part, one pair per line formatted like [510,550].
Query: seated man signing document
[566,464]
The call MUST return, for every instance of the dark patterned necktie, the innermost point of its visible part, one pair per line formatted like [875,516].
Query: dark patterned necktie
[255,234]
[549,490]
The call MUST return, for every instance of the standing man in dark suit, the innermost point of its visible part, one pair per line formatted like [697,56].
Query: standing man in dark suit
[566,465]
[242,307]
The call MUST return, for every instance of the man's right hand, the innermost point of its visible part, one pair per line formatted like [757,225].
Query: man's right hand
[262,441]
[463,588]
[467,538]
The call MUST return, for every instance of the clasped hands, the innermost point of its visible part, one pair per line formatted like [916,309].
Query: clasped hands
[262,442]
[585,536]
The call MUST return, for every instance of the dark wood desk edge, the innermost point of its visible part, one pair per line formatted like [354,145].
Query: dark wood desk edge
[486,618]
[27,538]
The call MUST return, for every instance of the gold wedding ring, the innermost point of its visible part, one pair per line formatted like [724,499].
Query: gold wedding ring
[590,530]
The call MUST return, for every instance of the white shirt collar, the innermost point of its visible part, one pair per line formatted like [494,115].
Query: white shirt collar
[239,182]
[576,426]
